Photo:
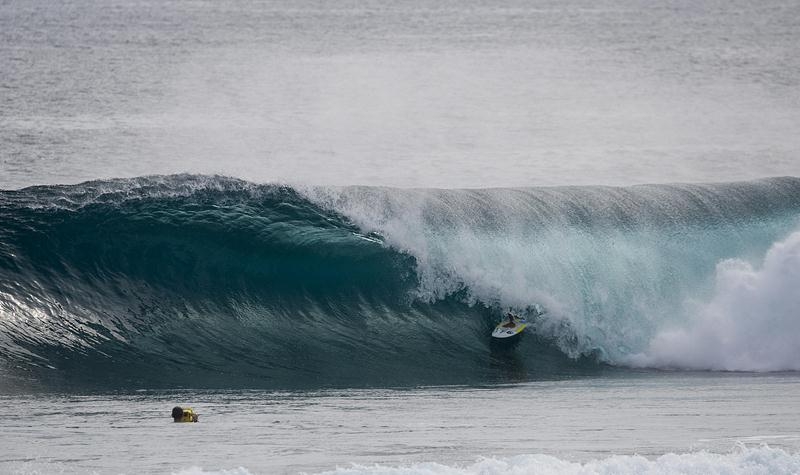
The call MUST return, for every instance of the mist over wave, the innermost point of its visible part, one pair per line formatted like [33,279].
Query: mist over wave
[211,281]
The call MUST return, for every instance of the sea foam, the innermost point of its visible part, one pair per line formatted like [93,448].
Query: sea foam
[753,461]
[750,324]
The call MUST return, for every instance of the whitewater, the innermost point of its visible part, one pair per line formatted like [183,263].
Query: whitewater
[303,219]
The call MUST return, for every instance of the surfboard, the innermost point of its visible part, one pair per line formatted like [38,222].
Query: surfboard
[508,329]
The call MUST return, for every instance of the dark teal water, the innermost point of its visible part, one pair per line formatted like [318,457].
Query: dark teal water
[194,281]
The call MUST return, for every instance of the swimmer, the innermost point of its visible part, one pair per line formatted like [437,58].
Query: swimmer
[180,414]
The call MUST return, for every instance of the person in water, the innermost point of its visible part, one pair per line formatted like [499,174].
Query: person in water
[180,414]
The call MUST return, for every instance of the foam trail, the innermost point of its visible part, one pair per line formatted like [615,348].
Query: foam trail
[752,461]
[751,324]
[200,471]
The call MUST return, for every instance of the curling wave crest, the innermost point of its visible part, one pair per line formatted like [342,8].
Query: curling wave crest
[225,282]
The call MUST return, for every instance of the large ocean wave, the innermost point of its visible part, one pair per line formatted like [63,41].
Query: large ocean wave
[212,281]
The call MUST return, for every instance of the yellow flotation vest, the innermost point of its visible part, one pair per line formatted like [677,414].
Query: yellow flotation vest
[183,415]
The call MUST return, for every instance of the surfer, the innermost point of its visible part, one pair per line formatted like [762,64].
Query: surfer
[512,320]
[509,327]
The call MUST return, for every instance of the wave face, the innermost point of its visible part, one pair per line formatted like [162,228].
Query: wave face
[208,281]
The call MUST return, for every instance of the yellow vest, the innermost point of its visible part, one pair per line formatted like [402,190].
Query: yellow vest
[188,416]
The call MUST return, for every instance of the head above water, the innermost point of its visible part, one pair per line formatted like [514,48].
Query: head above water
[180,414]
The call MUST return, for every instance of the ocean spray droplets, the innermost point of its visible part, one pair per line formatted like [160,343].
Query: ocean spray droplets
[751,323]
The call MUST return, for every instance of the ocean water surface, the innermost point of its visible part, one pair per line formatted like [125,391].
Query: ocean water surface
[642,423]
[303,219]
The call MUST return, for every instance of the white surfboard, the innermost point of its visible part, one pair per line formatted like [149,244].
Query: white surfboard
[508,328]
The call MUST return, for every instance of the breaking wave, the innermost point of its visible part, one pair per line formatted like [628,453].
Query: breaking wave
[211,281]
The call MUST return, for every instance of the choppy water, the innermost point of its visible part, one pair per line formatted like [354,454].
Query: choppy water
[610,425]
